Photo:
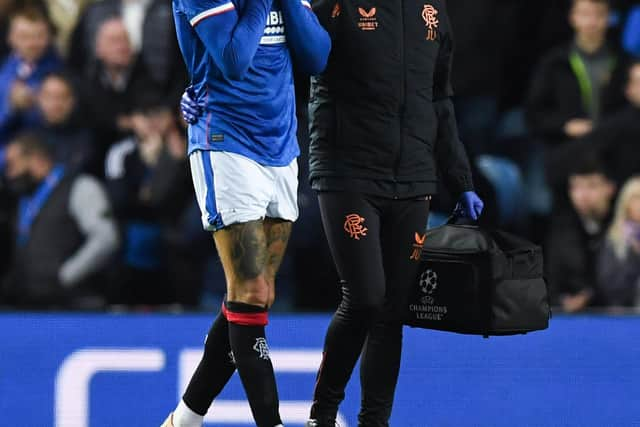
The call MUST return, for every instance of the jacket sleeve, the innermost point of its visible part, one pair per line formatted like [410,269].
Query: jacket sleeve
[540,108]
[327,12]
[89,206]
[613,96]
[307,39]
[617,278]
[8,117]
[231,39]
[567,261]
[322,114]
[451,157]
[168,185]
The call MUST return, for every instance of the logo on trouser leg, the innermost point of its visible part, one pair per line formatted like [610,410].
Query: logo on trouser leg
[261,348]
[232,358]
[417,247]
[353,226]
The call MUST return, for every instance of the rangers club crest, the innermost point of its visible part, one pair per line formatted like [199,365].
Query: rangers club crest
[261,348]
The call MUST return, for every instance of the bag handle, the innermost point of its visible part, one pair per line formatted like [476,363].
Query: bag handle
[460,220]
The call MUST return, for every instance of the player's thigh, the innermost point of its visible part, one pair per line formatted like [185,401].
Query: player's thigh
[352,226]
[230,188]
[404,235]
[242,249]
[277,232]
[284,202]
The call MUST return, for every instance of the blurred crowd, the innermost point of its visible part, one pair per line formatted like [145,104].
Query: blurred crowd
[96,205]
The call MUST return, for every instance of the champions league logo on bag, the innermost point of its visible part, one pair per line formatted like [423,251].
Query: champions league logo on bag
[428,283]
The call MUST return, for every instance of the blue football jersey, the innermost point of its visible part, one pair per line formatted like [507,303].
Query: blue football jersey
[254,116]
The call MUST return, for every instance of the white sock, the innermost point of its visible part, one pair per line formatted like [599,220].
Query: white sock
[185,417]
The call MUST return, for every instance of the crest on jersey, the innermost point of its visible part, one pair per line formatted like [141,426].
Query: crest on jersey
[430,16]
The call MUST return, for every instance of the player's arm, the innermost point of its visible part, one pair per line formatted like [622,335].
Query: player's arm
[308,40]
[231,40]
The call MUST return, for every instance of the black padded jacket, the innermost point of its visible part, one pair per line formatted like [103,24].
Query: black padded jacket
[381,112]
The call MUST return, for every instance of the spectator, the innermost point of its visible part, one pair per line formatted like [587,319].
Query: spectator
[64,15]
[116,82]
[576,236]
[61,124]
[147,180]
[7,7]
[616,140]
[32,58]
[573,88]
[579,82]
[149,24]
[64,233]
[619,263]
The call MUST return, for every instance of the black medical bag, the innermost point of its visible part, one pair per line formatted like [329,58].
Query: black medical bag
[477,281]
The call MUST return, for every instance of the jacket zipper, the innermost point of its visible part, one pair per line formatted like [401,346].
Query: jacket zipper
[403,93]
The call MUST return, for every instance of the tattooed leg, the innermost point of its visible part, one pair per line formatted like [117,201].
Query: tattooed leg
[277,232]
[243,251]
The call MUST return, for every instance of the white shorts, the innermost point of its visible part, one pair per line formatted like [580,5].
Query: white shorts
[233,189]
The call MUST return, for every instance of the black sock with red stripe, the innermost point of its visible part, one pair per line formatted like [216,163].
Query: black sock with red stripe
[214,370]
[251,353]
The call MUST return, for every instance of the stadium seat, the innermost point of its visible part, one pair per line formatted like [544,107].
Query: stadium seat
[631,33]
[507,181]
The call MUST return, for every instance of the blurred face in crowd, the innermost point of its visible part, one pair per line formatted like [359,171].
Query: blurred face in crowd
[152,128]
[633,87]
[5,6]
[633,208]
[56,100]
[24,171]
[589,19]
[155,122]
[591,195]
[29,38]
[17,161]
[113,46]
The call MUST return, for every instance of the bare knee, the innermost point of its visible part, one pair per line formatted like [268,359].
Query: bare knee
[253,292]
[272,292]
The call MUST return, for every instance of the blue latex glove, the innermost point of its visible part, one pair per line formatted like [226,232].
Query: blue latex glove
[190,109]
[469,206]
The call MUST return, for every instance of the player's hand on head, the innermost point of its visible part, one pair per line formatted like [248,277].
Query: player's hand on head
[190,108]
[470,205]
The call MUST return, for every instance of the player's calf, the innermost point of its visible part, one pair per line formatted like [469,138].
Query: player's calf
[251,353]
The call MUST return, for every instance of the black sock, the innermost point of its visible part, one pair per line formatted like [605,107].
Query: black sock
[251,353]
[343,344]
[214,371]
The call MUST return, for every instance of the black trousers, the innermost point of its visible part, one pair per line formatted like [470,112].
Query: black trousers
[375,243]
